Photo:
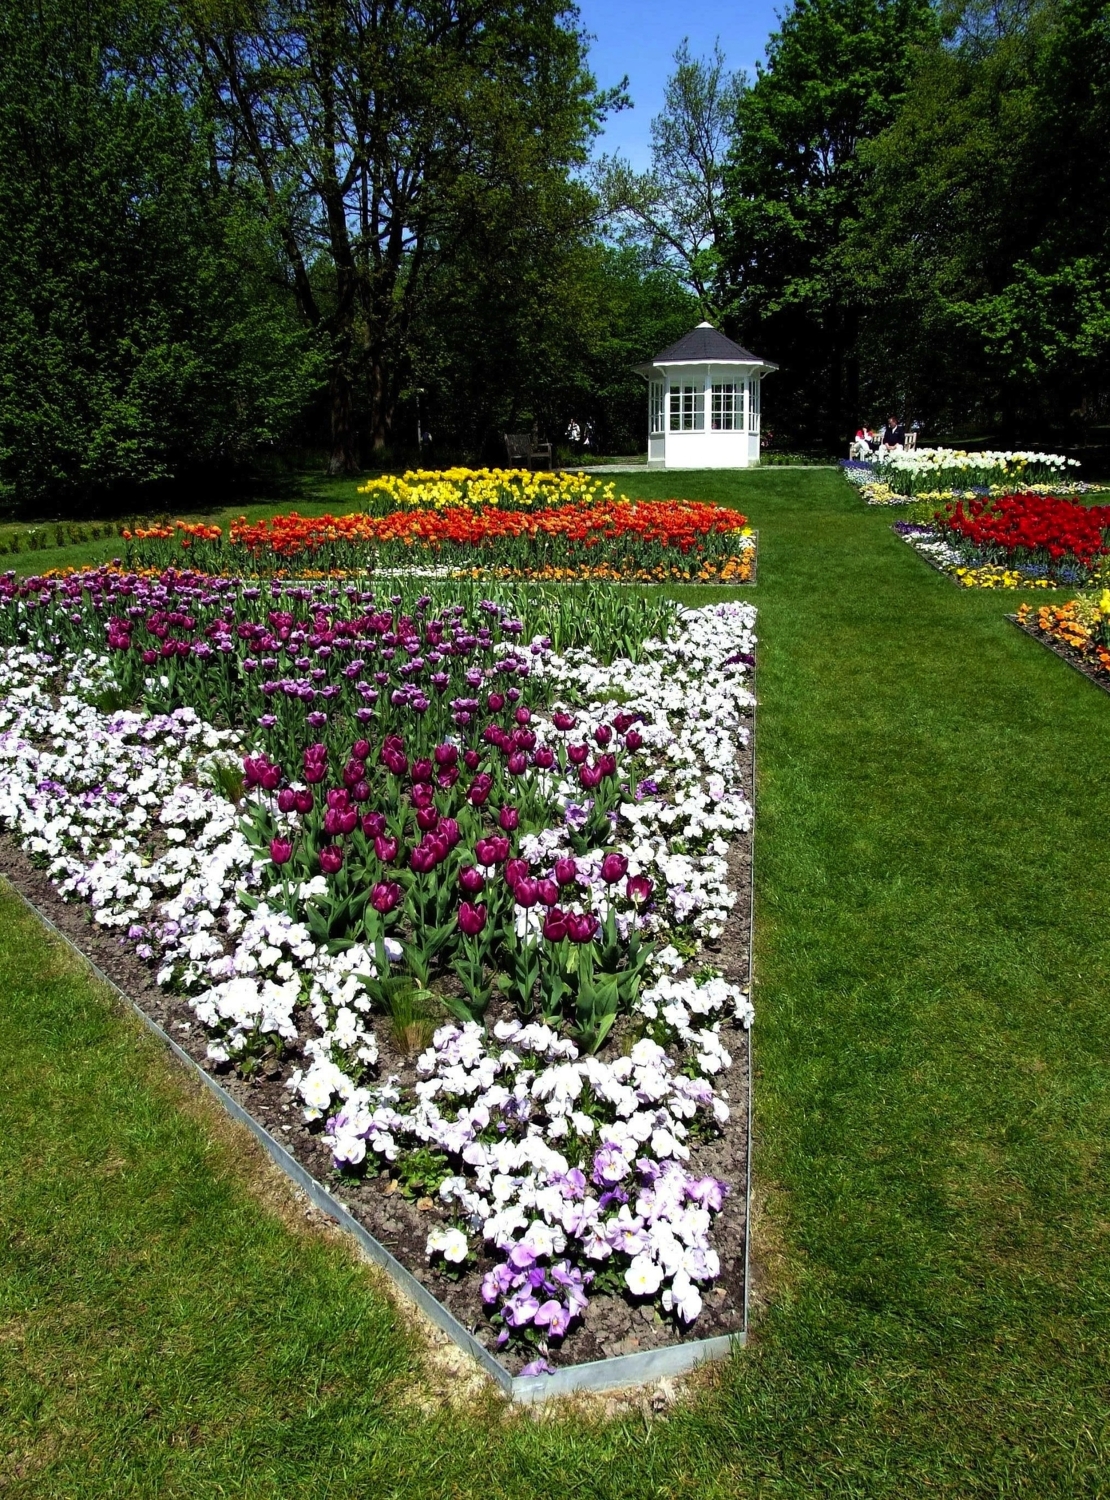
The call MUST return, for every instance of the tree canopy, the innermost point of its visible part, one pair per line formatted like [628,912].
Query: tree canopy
[230,228]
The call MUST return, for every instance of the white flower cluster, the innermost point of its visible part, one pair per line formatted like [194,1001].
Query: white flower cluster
[555,1153]
[923,460]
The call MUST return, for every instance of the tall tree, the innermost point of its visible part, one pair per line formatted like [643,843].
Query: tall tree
[367,133]
[140,337]
[983,252]
[674,213]
[836,71]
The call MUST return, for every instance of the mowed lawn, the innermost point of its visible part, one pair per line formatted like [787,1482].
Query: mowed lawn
[933,1110]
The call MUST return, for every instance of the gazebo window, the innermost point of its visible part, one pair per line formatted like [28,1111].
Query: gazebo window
[727,412]
[656,392]
[753,404]
[687,408]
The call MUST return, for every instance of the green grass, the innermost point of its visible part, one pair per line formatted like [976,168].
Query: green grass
[933,1104]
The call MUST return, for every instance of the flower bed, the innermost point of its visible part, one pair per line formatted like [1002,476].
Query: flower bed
[656,541]
[1014,541]
[902,476]
[1079,631]
[451,909]
[498,489]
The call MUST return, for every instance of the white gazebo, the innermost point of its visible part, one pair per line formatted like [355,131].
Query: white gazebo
[703,403]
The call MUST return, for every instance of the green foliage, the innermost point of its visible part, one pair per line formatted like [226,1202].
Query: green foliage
[835,72]
[136,341]
[982,247]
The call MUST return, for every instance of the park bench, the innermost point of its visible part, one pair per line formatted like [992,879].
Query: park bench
[525,451]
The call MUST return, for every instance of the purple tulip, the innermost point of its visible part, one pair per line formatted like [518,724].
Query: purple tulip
[281,851]
[633,739]
[491,851]
[385,896]
[577,754]
[562,721]
[544,758]
[385,848]
[422,770]
[423,859]
[426,818]
[614,867]
[527,892]
[373,824]
[509,819]
[472,918]
[286,800]
[303,801]
[471,760]
[495,702]
[589,776]
[581,929]
[638,889]
[517,763]
[555,925]
[472,880]
[548,891]
[480,787]
[566,871]
[331,859]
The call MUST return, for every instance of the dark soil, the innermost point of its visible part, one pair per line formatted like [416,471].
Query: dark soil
[1074,658]
[613,1324]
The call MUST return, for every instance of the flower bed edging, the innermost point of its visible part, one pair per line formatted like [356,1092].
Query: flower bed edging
[596,1375]
[1065,653]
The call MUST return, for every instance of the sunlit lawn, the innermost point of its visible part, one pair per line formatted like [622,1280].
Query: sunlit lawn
[933,1110]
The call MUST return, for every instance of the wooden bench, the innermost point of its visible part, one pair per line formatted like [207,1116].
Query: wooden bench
[525,451]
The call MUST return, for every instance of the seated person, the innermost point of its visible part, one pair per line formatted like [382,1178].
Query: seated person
[894,434]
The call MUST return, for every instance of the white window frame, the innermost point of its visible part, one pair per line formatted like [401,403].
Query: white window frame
[687,408]
[656,407]
[753,404]
[727,406]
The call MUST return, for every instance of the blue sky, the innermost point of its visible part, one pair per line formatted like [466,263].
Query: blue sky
[639,37]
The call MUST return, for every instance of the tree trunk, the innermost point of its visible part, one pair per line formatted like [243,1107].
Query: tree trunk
[381,408]
[344,457]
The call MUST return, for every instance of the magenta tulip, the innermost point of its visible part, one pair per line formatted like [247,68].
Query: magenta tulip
[548,891]
[281,851]
[614,867]
[589,776]
[385,848]
[472,918]
[555,925]
[577,754]
[581,929]
[472,880]
[562,721]
[331,859]
[603,734]
[509,818]
[385,896]
[566,871]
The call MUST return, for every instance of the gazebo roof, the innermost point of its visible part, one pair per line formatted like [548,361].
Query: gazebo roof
[706,344]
